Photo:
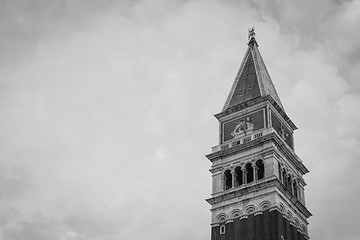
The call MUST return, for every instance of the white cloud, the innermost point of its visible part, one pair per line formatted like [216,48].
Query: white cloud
[106,119]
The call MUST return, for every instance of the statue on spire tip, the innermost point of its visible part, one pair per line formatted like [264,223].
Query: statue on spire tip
[251,33]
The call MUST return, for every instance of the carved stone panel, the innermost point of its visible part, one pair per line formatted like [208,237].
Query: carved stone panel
[280,128]
[243,125]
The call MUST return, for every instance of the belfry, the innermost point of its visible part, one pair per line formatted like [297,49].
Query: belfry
[257,179]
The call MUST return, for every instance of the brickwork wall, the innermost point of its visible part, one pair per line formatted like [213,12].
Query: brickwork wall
[270,225]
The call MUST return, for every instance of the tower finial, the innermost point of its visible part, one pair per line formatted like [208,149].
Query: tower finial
[251,33]
[251,37]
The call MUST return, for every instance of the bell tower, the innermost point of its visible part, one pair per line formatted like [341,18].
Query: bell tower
[257,179]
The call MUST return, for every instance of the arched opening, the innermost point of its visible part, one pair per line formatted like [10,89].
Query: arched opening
[260,169]
[279,168]
[295,188]
[249,173]
[289,184]
[284,177]
[222,229]
[228,179]
[238,177]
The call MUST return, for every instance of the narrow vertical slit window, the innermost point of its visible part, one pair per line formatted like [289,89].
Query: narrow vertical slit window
[222,229]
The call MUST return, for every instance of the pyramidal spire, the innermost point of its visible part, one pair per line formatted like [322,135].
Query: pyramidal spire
[252,80]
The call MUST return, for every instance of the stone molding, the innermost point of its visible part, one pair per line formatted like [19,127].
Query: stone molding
[271,137]
[263,206]
[258,213]
[299,228]
[275,182]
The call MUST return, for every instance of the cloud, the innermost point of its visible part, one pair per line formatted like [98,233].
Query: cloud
[106,111]
[14,182]
[38,228]
[98,225]
[328,26]
[26,24]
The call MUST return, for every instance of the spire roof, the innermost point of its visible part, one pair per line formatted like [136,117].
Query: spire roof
[252,80]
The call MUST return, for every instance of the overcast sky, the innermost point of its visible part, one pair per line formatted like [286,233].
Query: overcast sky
[106,111]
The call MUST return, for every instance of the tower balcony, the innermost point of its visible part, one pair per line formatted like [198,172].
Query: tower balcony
[242,139]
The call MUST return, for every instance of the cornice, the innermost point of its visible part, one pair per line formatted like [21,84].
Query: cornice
[271,137]
[239,107]
[254,101]
[259,186]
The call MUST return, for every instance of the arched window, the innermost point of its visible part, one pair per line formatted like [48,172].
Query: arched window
[238,177]
[284,177]
[260,169]
[249,173]
[228,179]
[295,188]
[222,229]
[279,168]
[289,184]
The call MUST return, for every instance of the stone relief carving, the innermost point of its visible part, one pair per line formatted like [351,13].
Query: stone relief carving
[283,133]
[243,127]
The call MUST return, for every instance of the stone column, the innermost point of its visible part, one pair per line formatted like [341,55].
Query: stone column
[244,175]
[223,181]
[255,169]
[301,194]
[233,177]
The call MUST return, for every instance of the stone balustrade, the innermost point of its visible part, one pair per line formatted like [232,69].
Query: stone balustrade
[241,140]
